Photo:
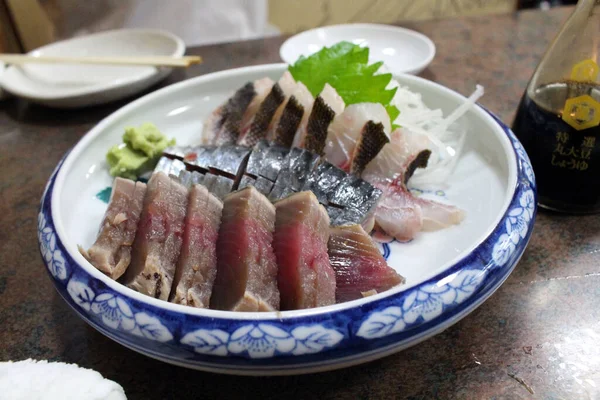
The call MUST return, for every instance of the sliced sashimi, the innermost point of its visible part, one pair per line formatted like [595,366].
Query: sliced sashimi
[405,151]
[288,123]
[158,239]
[257,129]
[111,252]
[397,213]
[288,88]
[246,265]
[262,87]
[370,143]
[234,110]
[306,279]
[295,116]
[353,201]
[313,135]
[438,216]
[402,215]
[197,265]
[359,266]
[344,132]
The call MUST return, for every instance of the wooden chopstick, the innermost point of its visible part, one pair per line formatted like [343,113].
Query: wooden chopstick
[164,61]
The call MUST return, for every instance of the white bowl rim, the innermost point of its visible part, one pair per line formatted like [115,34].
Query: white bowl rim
[262,316]
[431,48]
[179,50]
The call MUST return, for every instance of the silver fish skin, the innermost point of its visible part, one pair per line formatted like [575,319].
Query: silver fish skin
[324,180]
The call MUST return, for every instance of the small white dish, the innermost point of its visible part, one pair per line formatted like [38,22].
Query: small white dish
[402,50]
[3,94]
[72,86]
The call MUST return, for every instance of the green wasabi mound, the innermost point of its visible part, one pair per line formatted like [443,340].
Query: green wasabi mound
[139,152]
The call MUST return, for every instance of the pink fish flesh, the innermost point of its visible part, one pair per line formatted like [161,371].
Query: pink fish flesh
[197,265]
[359,266]
[246,265]
[306,279]
[158,239]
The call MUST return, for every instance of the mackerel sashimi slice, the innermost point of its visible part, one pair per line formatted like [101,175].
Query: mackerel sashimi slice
[246,266]
[306,279]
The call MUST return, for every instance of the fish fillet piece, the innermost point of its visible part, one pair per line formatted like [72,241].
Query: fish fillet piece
[344,132]
[159,237]
[224,123]
[272,162]
[313,135]
[213,125]
[370,143]
[288,86]
[111,253]
[358,264]
[255,161]
[227,121]
[357,199]
[405,151]
[295,116]
[298,166]
[197,264]
[246,265]
[262,120]
[324,180]
[399,213]
[402,215]
[288,124]
[229,161]
[306,279]
[234,110]
[262,87]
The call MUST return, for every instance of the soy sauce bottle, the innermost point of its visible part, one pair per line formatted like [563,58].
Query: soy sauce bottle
[558,120]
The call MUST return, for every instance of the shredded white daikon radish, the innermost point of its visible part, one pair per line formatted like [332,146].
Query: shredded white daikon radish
[447,134]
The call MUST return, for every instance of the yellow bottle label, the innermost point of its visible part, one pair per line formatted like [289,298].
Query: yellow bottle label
[582,112]
[585,71]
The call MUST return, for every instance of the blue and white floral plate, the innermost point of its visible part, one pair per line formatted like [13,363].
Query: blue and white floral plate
[449,273]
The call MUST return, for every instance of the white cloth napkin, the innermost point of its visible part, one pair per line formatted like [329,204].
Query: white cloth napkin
[200,22]
[33,380]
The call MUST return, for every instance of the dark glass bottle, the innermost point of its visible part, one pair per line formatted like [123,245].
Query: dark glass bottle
[558,120]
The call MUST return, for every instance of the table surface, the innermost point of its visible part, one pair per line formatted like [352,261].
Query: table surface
[539,331]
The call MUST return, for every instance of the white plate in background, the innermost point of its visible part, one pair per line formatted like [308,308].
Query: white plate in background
[72,86]
[402,50]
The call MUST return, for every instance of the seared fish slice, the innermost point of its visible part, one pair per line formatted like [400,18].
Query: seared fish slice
[111,253]
[246,266]
[305,276]
[158,239]
[358,264]
[197,264]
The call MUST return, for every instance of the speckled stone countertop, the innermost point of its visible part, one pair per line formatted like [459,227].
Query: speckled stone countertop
[540,330]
